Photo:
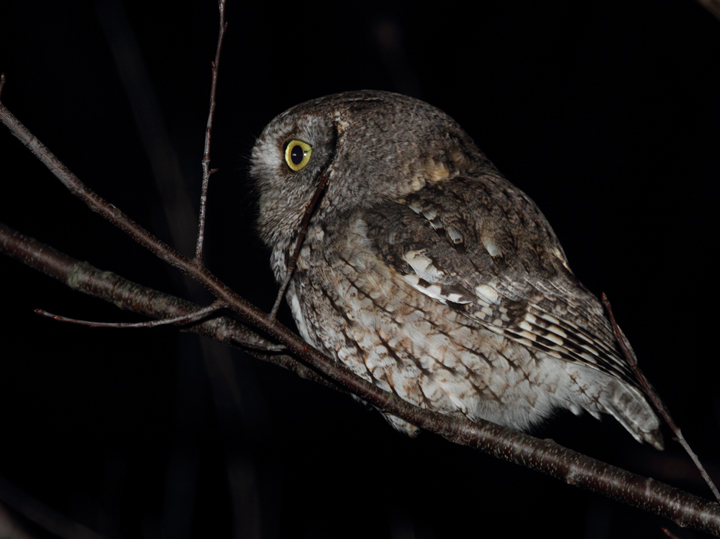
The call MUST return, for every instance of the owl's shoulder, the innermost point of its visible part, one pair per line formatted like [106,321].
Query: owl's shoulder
[476,225]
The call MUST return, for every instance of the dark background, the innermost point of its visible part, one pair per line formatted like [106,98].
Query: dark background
[606,114]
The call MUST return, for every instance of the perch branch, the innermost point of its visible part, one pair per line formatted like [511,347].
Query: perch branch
[542,455]
[110,287]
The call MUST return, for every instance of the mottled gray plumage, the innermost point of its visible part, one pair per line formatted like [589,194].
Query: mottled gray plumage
[427,273]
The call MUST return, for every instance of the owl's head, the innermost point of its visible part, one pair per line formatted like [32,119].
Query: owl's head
[373,147]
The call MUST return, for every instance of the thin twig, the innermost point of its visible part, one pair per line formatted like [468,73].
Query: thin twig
[180,320]
[655,398]
[309,210]
[2,83]
[207,171]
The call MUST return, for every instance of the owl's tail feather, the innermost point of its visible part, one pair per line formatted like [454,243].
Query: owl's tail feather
[629,407]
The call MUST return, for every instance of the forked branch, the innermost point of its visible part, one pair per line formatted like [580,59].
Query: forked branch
[262,336]
[541,455]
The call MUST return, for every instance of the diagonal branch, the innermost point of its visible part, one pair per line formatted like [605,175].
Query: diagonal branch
[110,287]
[542,455]
[655,398]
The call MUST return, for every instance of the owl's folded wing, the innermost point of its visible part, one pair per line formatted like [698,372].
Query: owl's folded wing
[482,247]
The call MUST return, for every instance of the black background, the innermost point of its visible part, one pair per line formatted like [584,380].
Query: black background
[606,114]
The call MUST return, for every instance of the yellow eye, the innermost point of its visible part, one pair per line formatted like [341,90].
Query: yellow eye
[297,154]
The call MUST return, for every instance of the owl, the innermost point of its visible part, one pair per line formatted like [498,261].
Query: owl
[428,274]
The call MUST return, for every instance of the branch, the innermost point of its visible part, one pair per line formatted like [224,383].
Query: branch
[542,455]
[655,398]
[207,172]
[309,209]
[126,294]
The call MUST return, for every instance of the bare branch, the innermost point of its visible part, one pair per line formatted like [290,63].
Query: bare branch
[542,455]
[94,202]
[106,285]
[119,219]
[655,398]
[207,172]
[177,320]
[309,210]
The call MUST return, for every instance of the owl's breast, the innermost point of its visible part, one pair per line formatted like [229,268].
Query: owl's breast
[349,303]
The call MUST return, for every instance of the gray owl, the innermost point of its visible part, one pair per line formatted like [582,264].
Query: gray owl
[427,273]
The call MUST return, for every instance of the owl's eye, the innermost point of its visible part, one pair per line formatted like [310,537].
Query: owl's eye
[297,154]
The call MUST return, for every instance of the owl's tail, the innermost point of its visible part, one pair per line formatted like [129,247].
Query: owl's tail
[603,393]
[631,409]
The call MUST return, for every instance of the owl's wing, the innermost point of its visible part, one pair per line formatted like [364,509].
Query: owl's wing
[482,247]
